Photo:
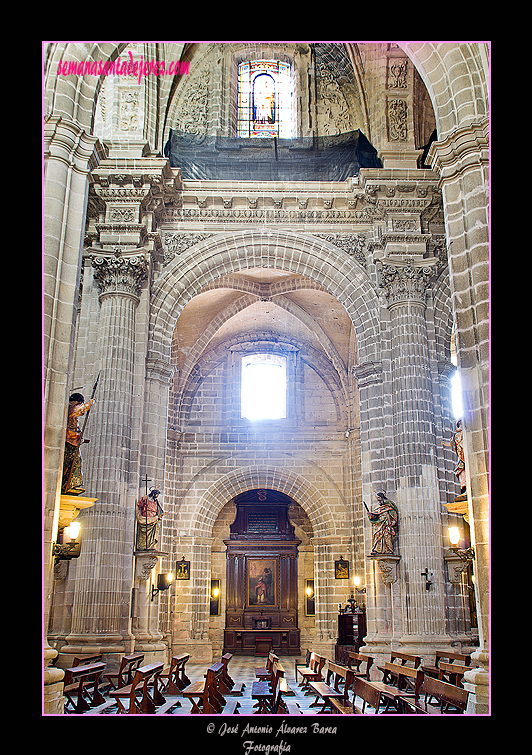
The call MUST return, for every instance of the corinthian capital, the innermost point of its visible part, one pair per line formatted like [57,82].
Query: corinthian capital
[120,274]
[406,280]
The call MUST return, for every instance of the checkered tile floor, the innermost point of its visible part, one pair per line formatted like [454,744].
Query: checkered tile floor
[242,669]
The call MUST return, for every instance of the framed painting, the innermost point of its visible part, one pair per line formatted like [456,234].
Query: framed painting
[341,569]
[262,582]
[182,569]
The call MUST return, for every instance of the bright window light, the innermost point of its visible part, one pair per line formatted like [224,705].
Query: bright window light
[264,386]
[457,395]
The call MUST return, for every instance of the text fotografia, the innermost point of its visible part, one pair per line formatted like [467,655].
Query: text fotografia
[119,67]
[250,746]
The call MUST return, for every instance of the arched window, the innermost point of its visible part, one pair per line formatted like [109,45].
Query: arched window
[263,394]
[456,385]
[264,99]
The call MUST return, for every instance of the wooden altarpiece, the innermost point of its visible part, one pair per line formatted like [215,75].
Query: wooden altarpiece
[262,550]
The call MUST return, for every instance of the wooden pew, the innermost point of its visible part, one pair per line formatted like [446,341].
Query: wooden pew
[81,687]
[312,672]
[175,676]
[137,695]
[405,658]
[452,673]
[398,681]
[85,660]
[305,664]
[228,685]
[446,656]
[126,671]
[265,672]
[356,660]
[231,707]
[268,693]
[368,693]
[330,689]
[451,699]
[205,694]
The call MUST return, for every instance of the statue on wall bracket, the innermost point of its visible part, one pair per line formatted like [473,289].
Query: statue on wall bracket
[148,515]
[386,519]
[72,482]
[457,445]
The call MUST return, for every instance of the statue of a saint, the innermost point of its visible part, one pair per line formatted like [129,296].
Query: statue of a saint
[149,513]
[457,444]
[72,483]
[386,519]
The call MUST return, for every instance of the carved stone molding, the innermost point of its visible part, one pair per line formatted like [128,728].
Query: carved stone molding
[368,373]
[406,280]
[352,244]
[176,243]
[120,274]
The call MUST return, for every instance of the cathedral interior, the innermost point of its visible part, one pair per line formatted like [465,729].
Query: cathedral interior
[266,353]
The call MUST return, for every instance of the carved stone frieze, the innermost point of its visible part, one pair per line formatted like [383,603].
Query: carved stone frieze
[397,112]
[353,244]
[397,73]
[176,243]
[120,274]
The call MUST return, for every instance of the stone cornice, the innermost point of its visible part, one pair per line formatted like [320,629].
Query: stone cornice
[466,147]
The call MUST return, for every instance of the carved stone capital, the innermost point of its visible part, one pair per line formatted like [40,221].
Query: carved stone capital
[120,274]
[406,280]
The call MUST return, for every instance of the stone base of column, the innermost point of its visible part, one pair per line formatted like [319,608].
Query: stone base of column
[477,683]
[200,651]
[53,700]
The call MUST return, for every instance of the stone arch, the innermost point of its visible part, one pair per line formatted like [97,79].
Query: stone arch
[292,484]
[455,77]
[316,259]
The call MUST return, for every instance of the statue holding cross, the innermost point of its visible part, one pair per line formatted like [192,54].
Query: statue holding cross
[149,512]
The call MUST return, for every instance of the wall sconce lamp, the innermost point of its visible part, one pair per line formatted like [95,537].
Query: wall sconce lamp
[215,598]
[68,542]
[164,582]
[357,582]
[310,604]
[466,554]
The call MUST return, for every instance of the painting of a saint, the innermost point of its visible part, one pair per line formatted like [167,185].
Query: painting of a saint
[261,582]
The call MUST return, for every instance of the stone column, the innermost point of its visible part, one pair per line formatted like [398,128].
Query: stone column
[462,160]
[69,154]
[418,613]
[101,620]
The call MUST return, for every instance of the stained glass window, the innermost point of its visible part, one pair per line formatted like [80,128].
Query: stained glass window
[264,99]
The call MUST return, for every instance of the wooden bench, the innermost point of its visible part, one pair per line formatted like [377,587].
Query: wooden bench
[446,656]
[126,671]
[81,687]
[231,707]
[398,681]
[449,699]
[305,664]
[367,692]
[137,695]
[205,694]
[405,659]
[452,673]
[330,689]
[268,692]
[176,678]
[355,661]
[265,672]
[227,685]
[312,672]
